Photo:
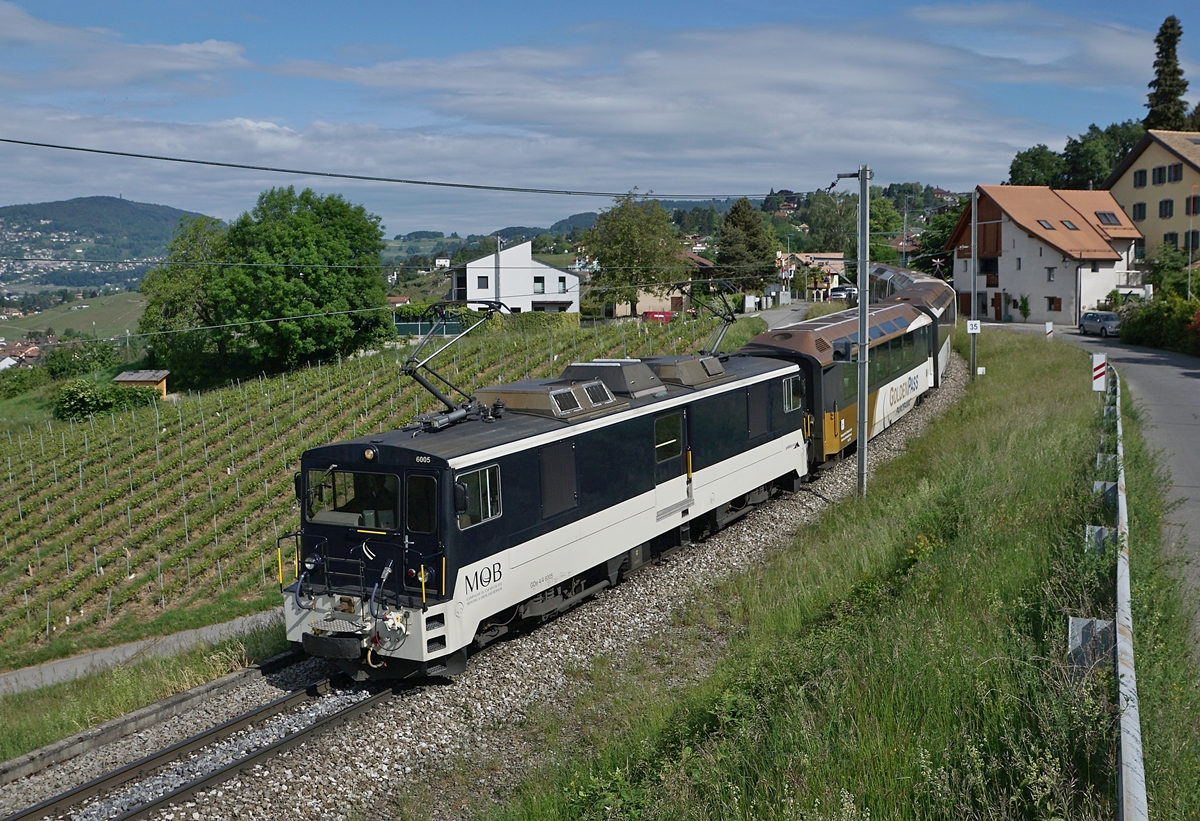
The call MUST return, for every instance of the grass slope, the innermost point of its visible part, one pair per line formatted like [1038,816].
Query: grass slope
[113,315]
[905,658]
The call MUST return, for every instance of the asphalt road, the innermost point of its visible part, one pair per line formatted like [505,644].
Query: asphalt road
[1166,389]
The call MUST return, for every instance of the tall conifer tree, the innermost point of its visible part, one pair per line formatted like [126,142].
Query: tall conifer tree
[1167,107]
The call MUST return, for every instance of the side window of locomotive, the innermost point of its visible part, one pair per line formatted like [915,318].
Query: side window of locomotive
[421,504]
[793,393]
[483,496]
[668,437]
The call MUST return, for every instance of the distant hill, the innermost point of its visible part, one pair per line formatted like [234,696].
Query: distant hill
[124,229]
[585,220]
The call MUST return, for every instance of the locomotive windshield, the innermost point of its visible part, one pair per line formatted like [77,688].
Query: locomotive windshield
[353,499]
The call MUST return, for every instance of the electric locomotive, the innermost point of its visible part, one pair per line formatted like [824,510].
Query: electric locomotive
[420,545]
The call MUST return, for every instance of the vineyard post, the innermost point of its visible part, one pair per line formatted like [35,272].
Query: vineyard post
[129,520]
[20,513]
[47,619]
[102,514]
[64,444]
[238,486]
[27,613]
[55,471]
[37,547]
[187,534]
[220,574]
[81,476]
[187,560]
[263,561]
[96,559]
[108,611]
[67,557]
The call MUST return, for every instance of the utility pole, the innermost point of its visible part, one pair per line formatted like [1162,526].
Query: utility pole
[974,270]
[864,298]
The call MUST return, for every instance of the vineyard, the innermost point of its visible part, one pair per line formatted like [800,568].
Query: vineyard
[162,517]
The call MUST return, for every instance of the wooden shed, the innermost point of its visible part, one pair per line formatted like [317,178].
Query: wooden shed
[145,379]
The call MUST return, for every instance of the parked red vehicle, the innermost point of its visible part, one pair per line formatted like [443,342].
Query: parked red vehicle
[657,316]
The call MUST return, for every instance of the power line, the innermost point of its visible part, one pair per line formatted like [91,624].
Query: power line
[368,178]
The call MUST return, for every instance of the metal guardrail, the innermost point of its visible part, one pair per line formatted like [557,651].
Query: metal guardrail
[1131,778]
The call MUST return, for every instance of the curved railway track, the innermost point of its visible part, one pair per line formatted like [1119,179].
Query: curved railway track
[106,784]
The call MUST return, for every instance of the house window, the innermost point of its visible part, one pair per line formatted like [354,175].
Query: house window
[1046,224]
[1191,206]
[1139,178]
[1175,172]
[1053,303]
[1109,217]
[562,285]
[539,285]
[1191,240]
[1166,209]
[1139,248]
[1171,238]
[482,282]
[1050,274]
[1095,267]
[1160,175]
[1018,263]
[993,281]
[1139,211]
[1070,225]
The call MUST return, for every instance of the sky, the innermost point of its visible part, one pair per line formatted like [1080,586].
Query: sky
[703,98]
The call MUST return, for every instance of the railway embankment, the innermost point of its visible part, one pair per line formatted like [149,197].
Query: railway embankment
[904,656]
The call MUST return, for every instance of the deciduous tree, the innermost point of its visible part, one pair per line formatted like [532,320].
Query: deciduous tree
[634,243]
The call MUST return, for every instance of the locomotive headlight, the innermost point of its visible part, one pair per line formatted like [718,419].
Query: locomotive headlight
[312,562]
[369,454]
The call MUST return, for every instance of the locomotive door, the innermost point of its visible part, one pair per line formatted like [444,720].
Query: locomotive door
[672,486]
[421,547]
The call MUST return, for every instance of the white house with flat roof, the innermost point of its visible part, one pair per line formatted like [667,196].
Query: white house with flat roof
[514,277]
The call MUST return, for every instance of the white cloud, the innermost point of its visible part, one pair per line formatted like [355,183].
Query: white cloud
[714,111]
[46,57]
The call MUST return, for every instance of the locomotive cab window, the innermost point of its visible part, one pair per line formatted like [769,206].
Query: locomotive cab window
[483,496]
[421,504]
[353,499]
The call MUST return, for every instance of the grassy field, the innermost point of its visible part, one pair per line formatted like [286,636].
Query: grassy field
[43,716]
[106,316]
[906,657]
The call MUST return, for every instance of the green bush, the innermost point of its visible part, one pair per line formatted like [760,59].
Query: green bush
[1168,321]
[79,398]
[75,360]
[16,381]
[532,322]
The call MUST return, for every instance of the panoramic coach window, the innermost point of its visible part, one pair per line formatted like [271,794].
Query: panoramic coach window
[483,496]
[353,499]
[559,479]
[422,504]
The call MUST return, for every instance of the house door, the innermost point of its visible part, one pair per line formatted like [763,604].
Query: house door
[998,306]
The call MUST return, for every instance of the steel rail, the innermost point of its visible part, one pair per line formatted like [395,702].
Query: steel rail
[58,804]
[261,754]
[1131,779]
